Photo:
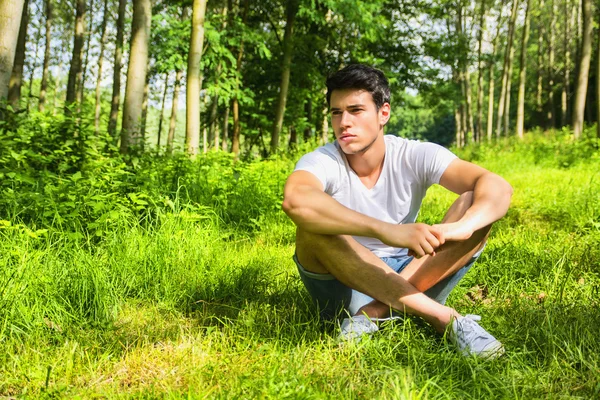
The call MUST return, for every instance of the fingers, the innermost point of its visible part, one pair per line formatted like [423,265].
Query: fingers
[439,234]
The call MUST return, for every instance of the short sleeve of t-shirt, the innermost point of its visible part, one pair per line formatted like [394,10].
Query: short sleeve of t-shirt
[323,163]
[429,161]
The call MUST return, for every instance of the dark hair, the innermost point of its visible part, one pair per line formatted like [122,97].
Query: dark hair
[359,76]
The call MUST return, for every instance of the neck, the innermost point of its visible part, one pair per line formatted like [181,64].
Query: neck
[370,161]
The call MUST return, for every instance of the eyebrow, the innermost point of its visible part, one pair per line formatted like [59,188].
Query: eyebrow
[350,106]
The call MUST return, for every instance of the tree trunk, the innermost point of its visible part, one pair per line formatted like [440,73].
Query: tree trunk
[37,39]
[225,133]
[291,11]
[325,123]
[235,139]
[551,115]
[598,85]
[145,111]
[194,79]
[522,75]
[309,119]
[83,74]
[44,85]
[564,105]
[136,75]
[162,111]
[584,67]
[11,14]
[173,120]
[16,77]
[508,92]
[213,127]
[479,128]
[100,63]
[490,114]
[540,63]
[293,143]
[75,69]
[116,89]
[506,67]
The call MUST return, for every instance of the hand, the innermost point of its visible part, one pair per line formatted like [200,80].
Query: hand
[455,231]
[419,239]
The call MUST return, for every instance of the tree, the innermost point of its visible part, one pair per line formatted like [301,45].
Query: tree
[116,89]
[100,64]
[479,129]
[522,75]
[194,79]
[44,85]
[584,68]
[506,67]
[16,78]
[291,11]
[76,58]
[136,75]
[11,12]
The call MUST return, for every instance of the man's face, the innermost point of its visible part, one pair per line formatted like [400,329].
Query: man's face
[355,119]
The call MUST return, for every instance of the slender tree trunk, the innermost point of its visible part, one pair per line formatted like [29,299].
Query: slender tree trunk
[212,122]
[564,102]
[458,127]
[551,115]
[116,89]
[78,42]
[225,133]
[100,63]
[235,140]
[479,128]
[506,67]
[540,64]
[309,118]
[213,127]
[490,114]
[325,123]
[136,75]
[81,78]
[508,92]
[291,11]
[11,14]
[194,79]
[293,143]
[173,120]
[522,75]
[584,67]
[598,84]
[145,111]
[16,77]
[490,120]
[37,39]
[44,85]
[162,111]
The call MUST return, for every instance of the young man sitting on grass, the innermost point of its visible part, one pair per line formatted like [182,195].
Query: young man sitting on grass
[355,202]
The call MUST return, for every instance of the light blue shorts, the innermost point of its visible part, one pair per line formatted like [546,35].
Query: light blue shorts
[332,297]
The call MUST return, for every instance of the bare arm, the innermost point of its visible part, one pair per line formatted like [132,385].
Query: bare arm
[315,211]
[491,197]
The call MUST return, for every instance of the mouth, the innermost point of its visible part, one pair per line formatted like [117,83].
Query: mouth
[344,137]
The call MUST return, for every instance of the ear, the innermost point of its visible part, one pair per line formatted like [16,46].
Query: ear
[384,114]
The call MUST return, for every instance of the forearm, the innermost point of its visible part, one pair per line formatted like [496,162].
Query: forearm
[491,199]
[317,212]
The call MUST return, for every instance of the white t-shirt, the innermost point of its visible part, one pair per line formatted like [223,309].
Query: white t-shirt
[410,167]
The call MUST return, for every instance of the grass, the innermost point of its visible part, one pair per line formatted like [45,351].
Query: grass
[188,307]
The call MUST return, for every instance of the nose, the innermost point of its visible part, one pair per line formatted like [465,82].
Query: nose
[345,119]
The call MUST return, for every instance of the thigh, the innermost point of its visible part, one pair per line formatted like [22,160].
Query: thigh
[332,297]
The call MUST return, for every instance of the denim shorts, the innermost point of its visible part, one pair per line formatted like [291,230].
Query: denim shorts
[332,297]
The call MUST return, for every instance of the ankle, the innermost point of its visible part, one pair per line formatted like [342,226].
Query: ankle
[444,319]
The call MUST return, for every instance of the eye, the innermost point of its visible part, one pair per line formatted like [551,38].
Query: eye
[336,112]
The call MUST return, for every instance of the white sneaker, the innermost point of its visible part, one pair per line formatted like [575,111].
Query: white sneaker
[472,339]
[354,327]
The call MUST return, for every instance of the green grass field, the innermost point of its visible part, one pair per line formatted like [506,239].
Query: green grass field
[201,298]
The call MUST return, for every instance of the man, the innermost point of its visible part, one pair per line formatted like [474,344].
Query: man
[355,203]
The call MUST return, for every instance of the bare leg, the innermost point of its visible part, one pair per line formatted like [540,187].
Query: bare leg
[425,272]
[358,268]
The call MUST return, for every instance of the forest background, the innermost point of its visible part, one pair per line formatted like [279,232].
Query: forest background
[143,150]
